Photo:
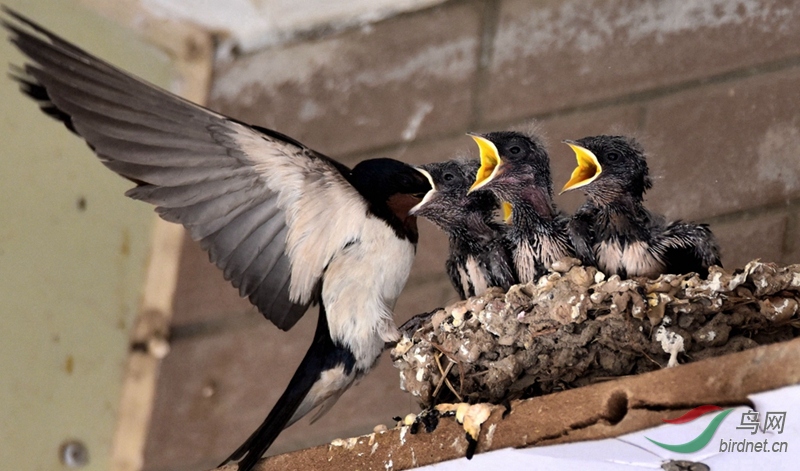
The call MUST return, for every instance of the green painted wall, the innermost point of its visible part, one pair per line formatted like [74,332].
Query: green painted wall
[73,252]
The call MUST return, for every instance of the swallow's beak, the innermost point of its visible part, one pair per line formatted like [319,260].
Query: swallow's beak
[588,168]
[427,196]
[490,162]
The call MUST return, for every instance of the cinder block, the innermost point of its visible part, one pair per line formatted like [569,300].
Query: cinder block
[215,389]
[422,296]
[392,81]
[746,239]
[792,242]
[202,294]
[437,149]
[556,54]
[432,251]
[724,148]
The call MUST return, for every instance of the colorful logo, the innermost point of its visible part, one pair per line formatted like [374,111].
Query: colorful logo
[705,436]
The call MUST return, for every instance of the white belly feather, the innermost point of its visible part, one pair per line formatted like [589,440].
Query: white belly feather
[635,258]
[476,275]
[360,289]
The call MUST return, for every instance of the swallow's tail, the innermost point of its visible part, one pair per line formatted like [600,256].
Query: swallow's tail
[325,372]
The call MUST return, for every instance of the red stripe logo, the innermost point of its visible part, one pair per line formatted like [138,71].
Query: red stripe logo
[693,414]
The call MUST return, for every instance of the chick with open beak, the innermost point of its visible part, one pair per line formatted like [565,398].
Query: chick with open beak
[480,256]
[515,167]
[614,230]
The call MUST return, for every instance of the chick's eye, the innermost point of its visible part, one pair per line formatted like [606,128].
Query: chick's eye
[448,177]
[515,150]
[612,156]
[405,180]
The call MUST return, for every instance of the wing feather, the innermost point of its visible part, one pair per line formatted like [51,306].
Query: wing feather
[251,271]
[270,212]
[161,176]
[220,244]
[187,155]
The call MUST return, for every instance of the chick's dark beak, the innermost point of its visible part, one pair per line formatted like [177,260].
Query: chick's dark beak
[490,162]
[588,168]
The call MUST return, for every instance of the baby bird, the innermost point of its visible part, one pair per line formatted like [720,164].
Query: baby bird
[614,231]
[516,168]
[480,256]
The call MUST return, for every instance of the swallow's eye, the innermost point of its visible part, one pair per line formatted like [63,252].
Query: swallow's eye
[405,180]
[612,156]
[448,177]
[515,150]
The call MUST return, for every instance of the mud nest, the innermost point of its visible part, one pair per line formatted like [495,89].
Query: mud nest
[575,327]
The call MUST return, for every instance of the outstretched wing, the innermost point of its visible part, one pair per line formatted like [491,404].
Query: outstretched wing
[270,212]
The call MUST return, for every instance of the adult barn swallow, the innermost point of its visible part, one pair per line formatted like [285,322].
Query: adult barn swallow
[288,226]
[516,168]
[480,256]
[614,227]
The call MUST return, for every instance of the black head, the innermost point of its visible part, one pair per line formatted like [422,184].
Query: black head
[392,188]
[613,167]
[450,204]
[380,179]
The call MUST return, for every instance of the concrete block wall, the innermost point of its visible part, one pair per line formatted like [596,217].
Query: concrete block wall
[711,88]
